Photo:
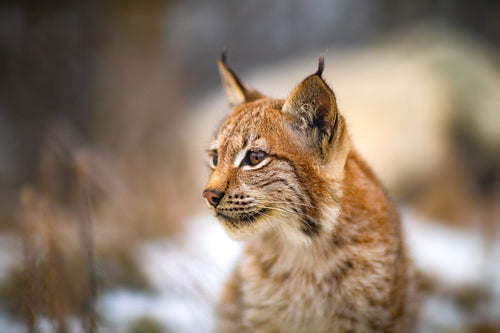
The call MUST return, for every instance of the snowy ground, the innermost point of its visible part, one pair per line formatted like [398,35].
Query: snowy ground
[187,276]
[458,261]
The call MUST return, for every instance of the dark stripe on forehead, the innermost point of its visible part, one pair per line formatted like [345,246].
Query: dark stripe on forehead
[228,129]
[235,121]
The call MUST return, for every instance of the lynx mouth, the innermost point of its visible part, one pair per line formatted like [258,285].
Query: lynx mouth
[243,218]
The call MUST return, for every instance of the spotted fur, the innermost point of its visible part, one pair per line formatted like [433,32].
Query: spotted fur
[324,249]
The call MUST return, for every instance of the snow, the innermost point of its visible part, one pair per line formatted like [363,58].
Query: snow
[458,259]
[122,308]
[187,275]
[455,256]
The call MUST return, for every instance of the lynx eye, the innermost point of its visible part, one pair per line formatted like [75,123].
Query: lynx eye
[214,159]
[254,157]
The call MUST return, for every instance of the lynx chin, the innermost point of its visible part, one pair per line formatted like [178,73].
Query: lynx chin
[324,247]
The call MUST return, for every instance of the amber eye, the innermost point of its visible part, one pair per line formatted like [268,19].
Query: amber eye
[214,159]
[255,157]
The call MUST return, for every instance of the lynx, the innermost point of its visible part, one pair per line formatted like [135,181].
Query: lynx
[324,248]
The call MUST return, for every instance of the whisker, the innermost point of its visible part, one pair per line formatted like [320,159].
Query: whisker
[290,203]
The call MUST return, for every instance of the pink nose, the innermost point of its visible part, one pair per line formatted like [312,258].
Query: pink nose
[213,197]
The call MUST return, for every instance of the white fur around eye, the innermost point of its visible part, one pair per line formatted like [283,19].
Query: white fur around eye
[239,158]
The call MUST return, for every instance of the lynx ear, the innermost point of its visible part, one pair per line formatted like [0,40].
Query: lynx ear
[313,108]
[236,91]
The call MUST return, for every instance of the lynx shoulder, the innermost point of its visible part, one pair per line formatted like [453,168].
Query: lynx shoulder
[324,248]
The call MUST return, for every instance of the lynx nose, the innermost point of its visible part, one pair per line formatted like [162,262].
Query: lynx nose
[213,197]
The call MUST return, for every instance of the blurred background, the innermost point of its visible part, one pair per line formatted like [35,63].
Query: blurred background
[106,108]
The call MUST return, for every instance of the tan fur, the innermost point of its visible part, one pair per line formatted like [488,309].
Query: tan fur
[324,250]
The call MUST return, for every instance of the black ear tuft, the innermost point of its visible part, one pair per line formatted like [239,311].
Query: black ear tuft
[223,55]
[313,110]
[321,65]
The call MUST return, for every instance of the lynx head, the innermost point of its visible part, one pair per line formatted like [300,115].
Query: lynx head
[277,164]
